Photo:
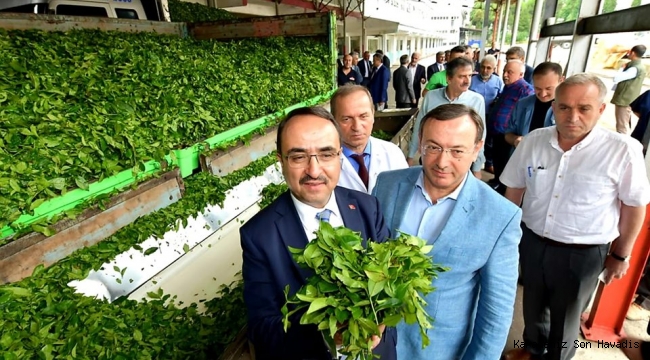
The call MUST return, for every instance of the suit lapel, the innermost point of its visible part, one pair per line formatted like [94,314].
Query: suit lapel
[350,213]
[462,210]
[375,163]
[291,231]
[403,198]
[352,174]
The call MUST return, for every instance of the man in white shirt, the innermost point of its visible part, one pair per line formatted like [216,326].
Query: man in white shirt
[308,147]
[364,156]
[582,188]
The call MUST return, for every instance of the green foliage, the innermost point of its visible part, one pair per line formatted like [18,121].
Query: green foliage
[567,10]
[183,11]
[42,317]
[355,289]
[381,134]
[272,192]
[525,20]
[81,106]
[609,6]
[635,3]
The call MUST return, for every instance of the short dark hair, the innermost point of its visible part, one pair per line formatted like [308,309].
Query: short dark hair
[548,67]
[458,49]
[346,90]
[518,51]
[458,63]
[440,53]
[379,52]
[453,111]
[307,110]
[404,59]
[639,50]
[378,56]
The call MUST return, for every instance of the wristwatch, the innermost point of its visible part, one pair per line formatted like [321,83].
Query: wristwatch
[620,258]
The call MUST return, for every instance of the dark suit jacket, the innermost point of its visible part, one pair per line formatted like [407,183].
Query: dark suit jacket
[528,75]
[268,268]
[386,62]
[432,69]
[420,73]
[403,86]
[379,85]
[362,68]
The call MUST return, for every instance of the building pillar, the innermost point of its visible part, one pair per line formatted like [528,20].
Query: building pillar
[484,29]
[534,32]
[504,32]
[579,54]
[515,26]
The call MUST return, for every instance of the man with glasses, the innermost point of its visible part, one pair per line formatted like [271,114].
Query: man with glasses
[459,77]
[443,203]
[309,148]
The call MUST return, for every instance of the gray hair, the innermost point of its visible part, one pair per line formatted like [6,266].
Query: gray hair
[584,79]
[522,66]
[489,59]
[354,53]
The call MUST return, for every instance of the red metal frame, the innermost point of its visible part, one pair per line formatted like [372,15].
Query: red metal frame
[605,321]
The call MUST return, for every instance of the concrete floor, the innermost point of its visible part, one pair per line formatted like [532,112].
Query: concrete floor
[632,328]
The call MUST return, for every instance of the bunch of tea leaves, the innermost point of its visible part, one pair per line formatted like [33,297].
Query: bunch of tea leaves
[355,289]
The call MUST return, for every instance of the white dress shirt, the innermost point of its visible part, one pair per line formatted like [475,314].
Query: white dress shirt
[308,213]
[574,196]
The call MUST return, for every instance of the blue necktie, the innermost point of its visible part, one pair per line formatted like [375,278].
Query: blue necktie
[324,215]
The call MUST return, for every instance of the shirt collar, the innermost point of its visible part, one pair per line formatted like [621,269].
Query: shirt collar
[444,93]
[453,195]
[308,212]
[347,152]
[584,142]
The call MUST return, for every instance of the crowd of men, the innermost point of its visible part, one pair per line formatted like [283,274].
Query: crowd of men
[573,203]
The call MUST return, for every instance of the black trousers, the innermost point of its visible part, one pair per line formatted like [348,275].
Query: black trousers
[559,281]
[500,153]
[401,105]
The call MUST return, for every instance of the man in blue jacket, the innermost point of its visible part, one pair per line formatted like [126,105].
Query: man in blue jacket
[379,83]
[309,150]
[535,111]
[474,231]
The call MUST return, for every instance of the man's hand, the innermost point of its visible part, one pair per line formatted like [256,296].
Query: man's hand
[423,81]
[377,339]
[413,101]
[615,269]
[517,141]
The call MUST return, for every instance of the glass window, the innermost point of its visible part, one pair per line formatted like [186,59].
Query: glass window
[75,10]
[126,14]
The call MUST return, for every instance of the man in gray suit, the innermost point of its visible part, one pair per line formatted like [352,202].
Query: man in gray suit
[403,85]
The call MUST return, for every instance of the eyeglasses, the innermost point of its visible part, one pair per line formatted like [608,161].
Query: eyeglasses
[302,160]
[437,150]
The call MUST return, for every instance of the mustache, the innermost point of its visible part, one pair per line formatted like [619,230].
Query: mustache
[307,178]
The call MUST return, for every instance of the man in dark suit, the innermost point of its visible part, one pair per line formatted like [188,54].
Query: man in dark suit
[365,67]
[403,85]
[439,65]
[311,165]
[385,61]
[419,75]
[379,83]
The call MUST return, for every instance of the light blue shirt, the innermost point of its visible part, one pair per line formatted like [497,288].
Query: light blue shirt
[425,219]
[437,97]
[490,89]
[366,157]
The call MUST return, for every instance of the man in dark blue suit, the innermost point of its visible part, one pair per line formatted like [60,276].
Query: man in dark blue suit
[379,83]
[309,149]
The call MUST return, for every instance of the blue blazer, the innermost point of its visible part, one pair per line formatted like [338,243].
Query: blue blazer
[268,267]
[522,115]
[474,301]
[379,85]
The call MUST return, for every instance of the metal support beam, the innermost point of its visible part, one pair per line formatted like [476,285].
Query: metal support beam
[561,29]
[579,55]
[534,30]
[499,15]
[542,53]
[484,29]
[504,32]
[627,20]
[515,26]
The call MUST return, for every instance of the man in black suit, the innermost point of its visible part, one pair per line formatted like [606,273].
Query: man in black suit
[403,85]
[309,148]
[365,67]
[419,75]
[439,65]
